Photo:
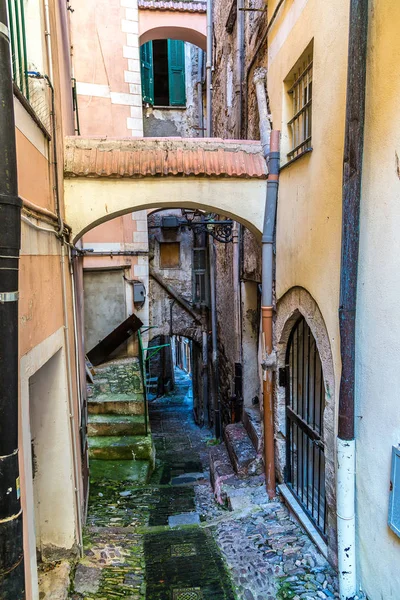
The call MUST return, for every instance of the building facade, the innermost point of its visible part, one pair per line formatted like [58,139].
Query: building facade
[304,47]
[51,457]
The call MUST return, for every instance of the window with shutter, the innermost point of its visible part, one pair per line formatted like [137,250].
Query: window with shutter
[163,73]
[146,64]
[176,73]
[200,277]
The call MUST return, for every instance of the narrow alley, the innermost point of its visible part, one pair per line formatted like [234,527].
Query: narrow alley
[198,288]
[162,535]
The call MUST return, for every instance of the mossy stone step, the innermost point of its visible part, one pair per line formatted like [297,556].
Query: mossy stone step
[111,425]
[116,404]
[137,447]
[135,471]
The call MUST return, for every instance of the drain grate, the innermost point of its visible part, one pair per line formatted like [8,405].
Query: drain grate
[183,550]
[187,594]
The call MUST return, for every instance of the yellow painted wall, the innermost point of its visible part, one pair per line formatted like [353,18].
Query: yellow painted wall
[309,208]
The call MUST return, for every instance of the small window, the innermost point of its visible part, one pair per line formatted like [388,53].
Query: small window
[16,18]
[299,83]
[163,73]
[170,255]
[200,276]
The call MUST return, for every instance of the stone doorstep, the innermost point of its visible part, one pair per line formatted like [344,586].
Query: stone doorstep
[116,425]
[244,458]
[252,424]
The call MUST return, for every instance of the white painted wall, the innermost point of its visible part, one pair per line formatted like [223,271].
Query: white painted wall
[53,495]
[44,415]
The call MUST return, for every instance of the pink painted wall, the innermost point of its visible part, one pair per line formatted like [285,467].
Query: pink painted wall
[176,25]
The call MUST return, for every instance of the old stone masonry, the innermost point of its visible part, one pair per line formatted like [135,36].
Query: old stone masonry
[164,537]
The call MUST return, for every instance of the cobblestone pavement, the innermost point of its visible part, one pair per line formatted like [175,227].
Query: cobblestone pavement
[167,539]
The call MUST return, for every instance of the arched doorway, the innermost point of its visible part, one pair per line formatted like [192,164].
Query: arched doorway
[305,403]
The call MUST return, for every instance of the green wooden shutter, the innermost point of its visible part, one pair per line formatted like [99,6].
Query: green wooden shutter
[146,64]
[176,72]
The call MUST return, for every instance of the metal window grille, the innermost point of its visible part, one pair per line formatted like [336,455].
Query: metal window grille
[16,18]
[301,92]
[305,403]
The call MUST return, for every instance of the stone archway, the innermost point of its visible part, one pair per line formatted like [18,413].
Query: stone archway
[105,179]
[295,303]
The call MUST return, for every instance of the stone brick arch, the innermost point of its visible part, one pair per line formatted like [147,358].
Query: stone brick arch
[298,302]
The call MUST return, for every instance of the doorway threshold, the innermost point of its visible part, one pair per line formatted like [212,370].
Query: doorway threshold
[300,514]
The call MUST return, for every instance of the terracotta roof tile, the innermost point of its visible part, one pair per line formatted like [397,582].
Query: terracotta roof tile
[152,157]
[181,6]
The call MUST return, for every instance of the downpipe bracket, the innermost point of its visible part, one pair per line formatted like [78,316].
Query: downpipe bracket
[270,361]
[9,297]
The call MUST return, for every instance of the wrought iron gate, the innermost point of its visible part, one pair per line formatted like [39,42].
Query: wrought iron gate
[305,402]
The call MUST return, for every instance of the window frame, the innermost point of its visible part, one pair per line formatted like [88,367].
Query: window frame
[300,87]
[163,245]
[18,45]
[200,279]
[176,69]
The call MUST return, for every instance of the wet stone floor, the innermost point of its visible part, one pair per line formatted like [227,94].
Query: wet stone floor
[167,539]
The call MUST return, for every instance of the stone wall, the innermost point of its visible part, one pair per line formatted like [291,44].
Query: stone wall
[249,318]
[167,315]
[226,106]
[226,80]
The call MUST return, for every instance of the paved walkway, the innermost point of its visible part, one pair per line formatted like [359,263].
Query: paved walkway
[167,539]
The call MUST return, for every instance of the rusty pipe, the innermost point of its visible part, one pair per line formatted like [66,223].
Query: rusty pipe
[267,309]
[269,447]
[270,141]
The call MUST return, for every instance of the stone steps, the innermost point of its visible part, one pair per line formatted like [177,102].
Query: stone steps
[116,421]
[116,425]
[253,426]
[121,448]
[117,404]
[136,471]
[244,458]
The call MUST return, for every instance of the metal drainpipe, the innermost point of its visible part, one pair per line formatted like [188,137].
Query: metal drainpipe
[351,200]
[214,341]
[237,293]
[11,541]
[270,143]
[200,106]
[239,67]
[209,66]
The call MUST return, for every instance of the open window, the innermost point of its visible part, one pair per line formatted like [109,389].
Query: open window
[163,73]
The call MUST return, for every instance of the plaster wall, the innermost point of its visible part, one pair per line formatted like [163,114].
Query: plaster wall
[309,208]
[377,350]
[104,297]
[41,315]
[107,67]
[36,392]
[93,201]
[308,231]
